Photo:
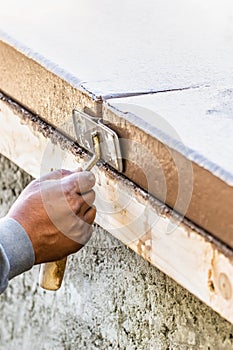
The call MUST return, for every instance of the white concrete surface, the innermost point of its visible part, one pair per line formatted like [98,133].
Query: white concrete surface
[196,122]
[125,46]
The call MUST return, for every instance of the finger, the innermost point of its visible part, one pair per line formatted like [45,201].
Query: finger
[87,236]
[89,197]
[89,216]
[55,175]
[83,202]
[84,208]
[81,182]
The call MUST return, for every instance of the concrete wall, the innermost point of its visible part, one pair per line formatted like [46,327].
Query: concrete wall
[111,299]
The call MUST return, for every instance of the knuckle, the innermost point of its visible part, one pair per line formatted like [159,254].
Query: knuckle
[67,189]
[64,172]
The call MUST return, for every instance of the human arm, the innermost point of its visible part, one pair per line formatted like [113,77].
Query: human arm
[51,219]
[16,251]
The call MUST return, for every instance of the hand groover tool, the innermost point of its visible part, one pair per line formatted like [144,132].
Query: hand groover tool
[97,138]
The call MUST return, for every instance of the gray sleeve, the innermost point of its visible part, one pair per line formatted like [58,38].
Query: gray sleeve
[16,251]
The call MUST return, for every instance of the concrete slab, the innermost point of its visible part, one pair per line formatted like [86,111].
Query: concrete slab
[123,47]
[198,123]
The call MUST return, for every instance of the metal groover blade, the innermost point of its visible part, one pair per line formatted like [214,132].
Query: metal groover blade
[85,126]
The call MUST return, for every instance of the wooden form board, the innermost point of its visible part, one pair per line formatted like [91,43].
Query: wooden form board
[191,257]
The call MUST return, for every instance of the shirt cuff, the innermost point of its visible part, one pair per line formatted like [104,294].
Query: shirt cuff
[17,246]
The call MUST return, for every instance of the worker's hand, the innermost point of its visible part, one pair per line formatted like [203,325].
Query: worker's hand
[57,212]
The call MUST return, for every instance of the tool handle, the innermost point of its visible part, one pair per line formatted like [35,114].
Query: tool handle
[51,274]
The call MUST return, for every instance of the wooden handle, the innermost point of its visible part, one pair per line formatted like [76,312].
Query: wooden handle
[51,274]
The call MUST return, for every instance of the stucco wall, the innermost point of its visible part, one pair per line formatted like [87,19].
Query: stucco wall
[111,299]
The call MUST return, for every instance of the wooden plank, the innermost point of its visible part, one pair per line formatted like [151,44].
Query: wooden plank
[190,256]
